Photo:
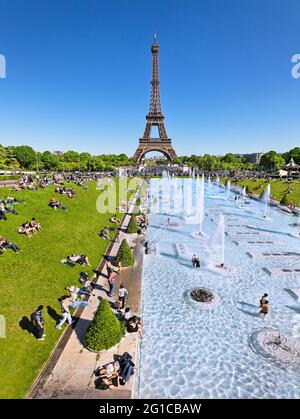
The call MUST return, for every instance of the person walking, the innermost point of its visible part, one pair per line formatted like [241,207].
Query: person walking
[264,308]
[111,283]
[38,323]
[65,310]
[194,261]
[122,295]
[263,299]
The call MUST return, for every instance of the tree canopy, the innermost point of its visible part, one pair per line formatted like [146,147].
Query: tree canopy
[25,157]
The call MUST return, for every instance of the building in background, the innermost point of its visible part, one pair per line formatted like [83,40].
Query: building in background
[252,157]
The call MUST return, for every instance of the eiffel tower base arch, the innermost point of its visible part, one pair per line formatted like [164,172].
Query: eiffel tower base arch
[164,147]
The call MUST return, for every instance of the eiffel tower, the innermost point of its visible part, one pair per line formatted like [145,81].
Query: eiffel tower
[155,117]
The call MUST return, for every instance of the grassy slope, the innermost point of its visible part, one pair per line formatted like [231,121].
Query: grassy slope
[278,188]
[35,276]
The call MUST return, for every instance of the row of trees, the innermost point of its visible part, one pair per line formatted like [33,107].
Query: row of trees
[269,161]
[25,157]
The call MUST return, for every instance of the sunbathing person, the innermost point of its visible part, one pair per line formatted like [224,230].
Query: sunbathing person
[108,376]
[54,203]
[75,303]
[2,212]
[134,324]
[5,244]
[114,219]
[81,259]
[104,233]
[10,208]
[36,226]
[11,200]
[25,229]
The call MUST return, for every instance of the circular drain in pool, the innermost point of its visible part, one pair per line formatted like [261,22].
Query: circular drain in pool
[277,347]
[204,298]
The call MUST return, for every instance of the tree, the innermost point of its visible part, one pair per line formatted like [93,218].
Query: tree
[49,160]
[25,155]
[132,225]
[105,330]
[294,153]
[124,256]
[272,161]
[84,156]
[2,157]
[71,156]
[285,201]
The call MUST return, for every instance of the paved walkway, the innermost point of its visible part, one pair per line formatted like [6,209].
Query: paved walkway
[72,375]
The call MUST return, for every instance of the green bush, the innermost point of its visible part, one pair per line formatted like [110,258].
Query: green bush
[284,200]
[124,256]
[132,226]
[105,330]
[9,177]
[262,194]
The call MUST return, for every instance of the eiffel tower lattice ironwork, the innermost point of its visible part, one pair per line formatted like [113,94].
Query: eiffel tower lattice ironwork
[155,117]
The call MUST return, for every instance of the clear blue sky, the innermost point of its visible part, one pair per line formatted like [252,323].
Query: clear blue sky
[78,73]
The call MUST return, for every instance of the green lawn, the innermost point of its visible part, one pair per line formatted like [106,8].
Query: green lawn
[36,276]
[278,188]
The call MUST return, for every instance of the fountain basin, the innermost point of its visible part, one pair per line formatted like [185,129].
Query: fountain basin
[276,347]
[203,298]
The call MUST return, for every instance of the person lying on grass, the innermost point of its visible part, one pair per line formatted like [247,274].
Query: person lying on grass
[34,225]
[114,219]
[104,233]
[10,208]
[74,291]
[66,191]
[54,203]
[78,290]
[12,200]
[25,229]
[81,259]
[5,244]
[2,212]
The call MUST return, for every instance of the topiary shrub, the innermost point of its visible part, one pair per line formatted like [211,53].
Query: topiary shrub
[105,330]
[132,225]
[124,256]
[262,195]
[285,201]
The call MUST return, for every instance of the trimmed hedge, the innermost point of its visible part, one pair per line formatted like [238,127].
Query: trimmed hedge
[284,200]
[132,225]
[262,194]
[9,177]
[105,330]
[124,256]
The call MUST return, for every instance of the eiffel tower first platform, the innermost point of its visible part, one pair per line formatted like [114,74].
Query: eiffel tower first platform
[155,117]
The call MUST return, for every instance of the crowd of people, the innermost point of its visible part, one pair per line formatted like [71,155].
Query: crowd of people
[75,296]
